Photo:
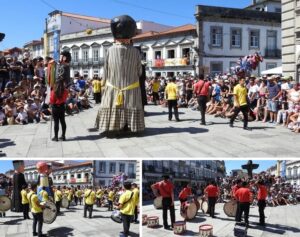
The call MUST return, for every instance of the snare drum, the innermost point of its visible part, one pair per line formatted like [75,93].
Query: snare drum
[179,227]
[152,221]
[204,207]
[230,208]
[205,230]
[5,203]
[189,210]
[64,202]
[144,219]
[158,202]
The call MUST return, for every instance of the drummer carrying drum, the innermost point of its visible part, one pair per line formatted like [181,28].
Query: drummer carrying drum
[234,188]
[185,193]
[37,211]
[212,192]
[58,198]
[243,195]
[166,190]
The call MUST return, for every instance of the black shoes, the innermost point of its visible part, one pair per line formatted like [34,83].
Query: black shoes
[55,139]
[203,123]
[231,125]
[247,128]
[62,138]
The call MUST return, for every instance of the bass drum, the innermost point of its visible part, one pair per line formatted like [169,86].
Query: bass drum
[5,203]
[64,202]
[230,208]
[204,207]
[49,213]
[189,210]
[197,203]
[158,202]
[116,216]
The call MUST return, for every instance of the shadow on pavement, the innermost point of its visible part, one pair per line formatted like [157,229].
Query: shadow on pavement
[197,219]
[13,222]
[99,216]
[60,231]
[190,233]
[278,229]
[134,234]
[149,114]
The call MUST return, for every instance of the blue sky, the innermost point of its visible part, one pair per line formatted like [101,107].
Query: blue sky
[236,164]
[28,17]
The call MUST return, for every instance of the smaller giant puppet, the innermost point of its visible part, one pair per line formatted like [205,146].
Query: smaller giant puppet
[44,181]
[18,182]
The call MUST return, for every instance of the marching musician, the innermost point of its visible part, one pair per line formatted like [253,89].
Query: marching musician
[243,195]
[37,211]
[234,188]
[261,197]
[136,198]
[111,196]
[126,205]
[44,195]
[166,190]
[79,195]
[212,192]
[99,195]
[58,198]
[69,194]
[185,193]
[25,202]
[89,200]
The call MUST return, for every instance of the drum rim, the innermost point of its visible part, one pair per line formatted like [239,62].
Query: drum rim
[208,225]
[152,218]
[179,223]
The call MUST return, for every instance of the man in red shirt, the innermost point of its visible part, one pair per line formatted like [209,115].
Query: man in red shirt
[261,197]
[233,191]
[243,195]
[212,192]
[201,89]
[166,190]
[185,193]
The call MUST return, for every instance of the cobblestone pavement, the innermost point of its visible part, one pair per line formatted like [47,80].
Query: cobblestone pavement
[70,223]
[280,221]
[162,138]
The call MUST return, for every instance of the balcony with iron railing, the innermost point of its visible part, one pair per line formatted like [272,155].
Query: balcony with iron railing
[272,53]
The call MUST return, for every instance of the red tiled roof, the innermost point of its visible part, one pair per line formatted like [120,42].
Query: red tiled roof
[184,28]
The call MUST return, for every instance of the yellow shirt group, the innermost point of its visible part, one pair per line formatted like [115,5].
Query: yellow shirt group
[78,193]
[96,86]
[33,202]
[171,91]
[129,206]
[24,196]
[45,196]
[155,86]
[89,196]
[241,93]
[136,196]
[99,193]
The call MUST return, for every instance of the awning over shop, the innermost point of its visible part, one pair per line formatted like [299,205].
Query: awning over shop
[273,71]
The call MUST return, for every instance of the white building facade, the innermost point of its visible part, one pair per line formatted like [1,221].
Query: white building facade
[104,171]
[168,53]
[226,34]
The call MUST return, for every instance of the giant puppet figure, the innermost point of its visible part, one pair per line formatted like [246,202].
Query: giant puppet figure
[44,181]
[18,182]
[121,107]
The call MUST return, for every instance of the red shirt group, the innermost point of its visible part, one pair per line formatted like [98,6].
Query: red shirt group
[243,194]
[262,192]
[212,191]
[185,193]
[204,88]
[165,188]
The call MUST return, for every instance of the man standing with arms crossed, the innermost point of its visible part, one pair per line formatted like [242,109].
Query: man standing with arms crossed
[240,103]
[201,89]
[166,190]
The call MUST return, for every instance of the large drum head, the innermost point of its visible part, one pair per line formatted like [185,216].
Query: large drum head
[204,207]
[230,208]
[5,203]
[197,204]
[49,213]
[200,200]
[116,216]
[191,211]
[64,202]
[158,202]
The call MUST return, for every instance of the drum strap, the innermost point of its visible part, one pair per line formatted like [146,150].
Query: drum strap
[128,199]
[89,194]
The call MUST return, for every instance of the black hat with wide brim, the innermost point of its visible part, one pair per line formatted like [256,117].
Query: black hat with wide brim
[123,27]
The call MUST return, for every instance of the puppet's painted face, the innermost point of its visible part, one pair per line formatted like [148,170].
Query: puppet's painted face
[42,167]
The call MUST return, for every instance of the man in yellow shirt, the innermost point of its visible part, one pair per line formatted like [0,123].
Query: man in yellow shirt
[99,195]
[79,195]
[89,200]
[37,211]
[58,198]
[69,194]
[155,89]
[25,202]
[136,198]
[171,94]
[97,89]
[240,103]
[111,196]
[126,206]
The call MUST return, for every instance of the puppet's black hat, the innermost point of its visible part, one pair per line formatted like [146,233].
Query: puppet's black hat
[123,27]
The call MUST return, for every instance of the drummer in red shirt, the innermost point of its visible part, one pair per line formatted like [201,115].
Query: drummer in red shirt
[233,191]
[185,193]
[166,190]
[212,192]
[243,195]
[58,97]
[261,197]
